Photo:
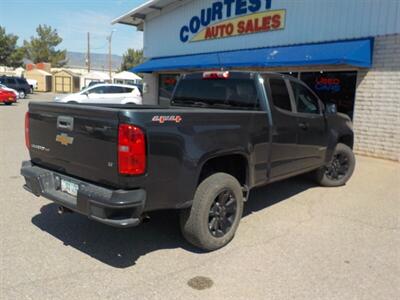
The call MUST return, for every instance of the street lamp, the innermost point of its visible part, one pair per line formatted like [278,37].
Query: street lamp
[109,53]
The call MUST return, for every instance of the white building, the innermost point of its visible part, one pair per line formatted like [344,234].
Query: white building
[126,77]
[94,76]
[348,51]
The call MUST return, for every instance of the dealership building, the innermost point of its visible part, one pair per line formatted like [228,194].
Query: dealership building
[347,51]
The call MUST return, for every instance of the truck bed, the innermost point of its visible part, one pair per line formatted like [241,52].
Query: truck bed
[174,146]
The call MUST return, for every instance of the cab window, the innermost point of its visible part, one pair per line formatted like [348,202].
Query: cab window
[234,93]
[304,99]
[280,94]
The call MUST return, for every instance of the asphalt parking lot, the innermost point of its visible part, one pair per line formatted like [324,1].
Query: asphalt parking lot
[295,241]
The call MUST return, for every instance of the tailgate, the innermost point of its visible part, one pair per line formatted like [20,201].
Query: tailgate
[80,141]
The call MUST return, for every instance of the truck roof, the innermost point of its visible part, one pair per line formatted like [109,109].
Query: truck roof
[236,74]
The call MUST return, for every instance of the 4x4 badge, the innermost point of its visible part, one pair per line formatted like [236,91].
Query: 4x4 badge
[64,139]
[163,119]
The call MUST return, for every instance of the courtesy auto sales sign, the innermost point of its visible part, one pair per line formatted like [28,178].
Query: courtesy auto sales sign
[229,18]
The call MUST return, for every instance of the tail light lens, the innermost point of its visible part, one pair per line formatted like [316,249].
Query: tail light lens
[131,150]
[27,131]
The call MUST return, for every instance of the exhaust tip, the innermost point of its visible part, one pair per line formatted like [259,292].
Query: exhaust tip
[62,210]
[145,218]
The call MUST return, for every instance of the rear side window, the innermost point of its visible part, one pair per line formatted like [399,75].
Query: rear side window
[280,94]
[134,90]
[224,93]
[116,90]
[10,80]
[305,101]
[21,81]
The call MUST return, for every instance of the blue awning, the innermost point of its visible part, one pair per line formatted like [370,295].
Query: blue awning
[356,53]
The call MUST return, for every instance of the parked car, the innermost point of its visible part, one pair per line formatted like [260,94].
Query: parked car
[17,83]
[94,82]
[7,97]
[33,84]
[104,93]
[2,86]
[223,134]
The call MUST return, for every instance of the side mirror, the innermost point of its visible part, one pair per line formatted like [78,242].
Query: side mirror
[330,108]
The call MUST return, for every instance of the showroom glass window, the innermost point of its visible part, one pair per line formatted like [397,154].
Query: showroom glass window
[334,87]
[166,86]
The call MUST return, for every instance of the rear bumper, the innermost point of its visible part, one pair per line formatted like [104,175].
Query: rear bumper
[119,208]
[12,100]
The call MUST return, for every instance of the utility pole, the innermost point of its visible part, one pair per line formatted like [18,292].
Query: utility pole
[109,54]
[88,52]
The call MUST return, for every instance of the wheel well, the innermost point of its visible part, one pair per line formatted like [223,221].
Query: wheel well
[347,140]
[234,164]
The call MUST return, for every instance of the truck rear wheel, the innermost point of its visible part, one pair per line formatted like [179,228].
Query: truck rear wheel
[340,168]
[217,207]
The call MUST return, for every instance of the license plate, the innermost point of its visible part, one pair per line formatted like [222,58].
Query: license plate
[69,187]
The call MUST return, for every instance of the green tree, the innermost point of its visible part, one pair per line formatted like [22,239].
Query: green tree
[131,58]
[43,47]
[10,54]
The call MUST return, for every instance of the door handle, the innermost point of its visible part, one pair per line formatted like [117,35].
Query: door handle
[303,125]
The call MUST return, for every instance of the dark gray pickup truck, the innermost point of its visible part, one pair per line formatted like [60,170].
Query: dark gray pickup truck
[223,134]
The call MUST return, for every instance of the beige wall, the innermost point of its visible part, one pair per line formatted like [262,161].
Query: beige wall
[43,82]
[377,105]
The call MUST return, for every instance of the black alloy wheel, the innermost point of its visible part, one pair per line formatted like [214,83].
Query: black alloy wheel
[338,168]
[211,222]
[222,213]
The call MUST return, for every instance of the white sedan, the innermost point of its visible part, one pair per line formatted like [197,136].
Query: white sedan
[105,93]
[2,86]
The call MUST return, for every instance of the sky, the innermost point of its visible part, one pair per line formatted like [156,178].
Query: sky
[73,19]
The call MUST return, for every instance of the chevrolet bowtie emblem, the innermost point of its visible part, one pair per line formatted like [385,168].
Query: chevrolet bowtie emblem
[64,139]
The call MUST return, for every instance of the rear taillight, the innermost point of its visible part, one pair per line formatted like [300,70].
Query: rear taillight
[131,150]
[27,133]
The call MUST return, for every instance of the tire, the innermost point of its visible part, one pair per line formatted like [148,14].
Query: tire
[8,103]
[21,94]
[72,102]
[202,224]
[339,170]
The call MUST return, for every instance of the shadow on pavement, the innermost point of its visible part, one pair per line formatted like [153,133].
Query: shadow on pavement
[273,193]
[121,248]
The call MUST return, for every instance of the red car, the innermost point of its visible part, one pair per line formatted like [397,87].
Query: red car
[7,97]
